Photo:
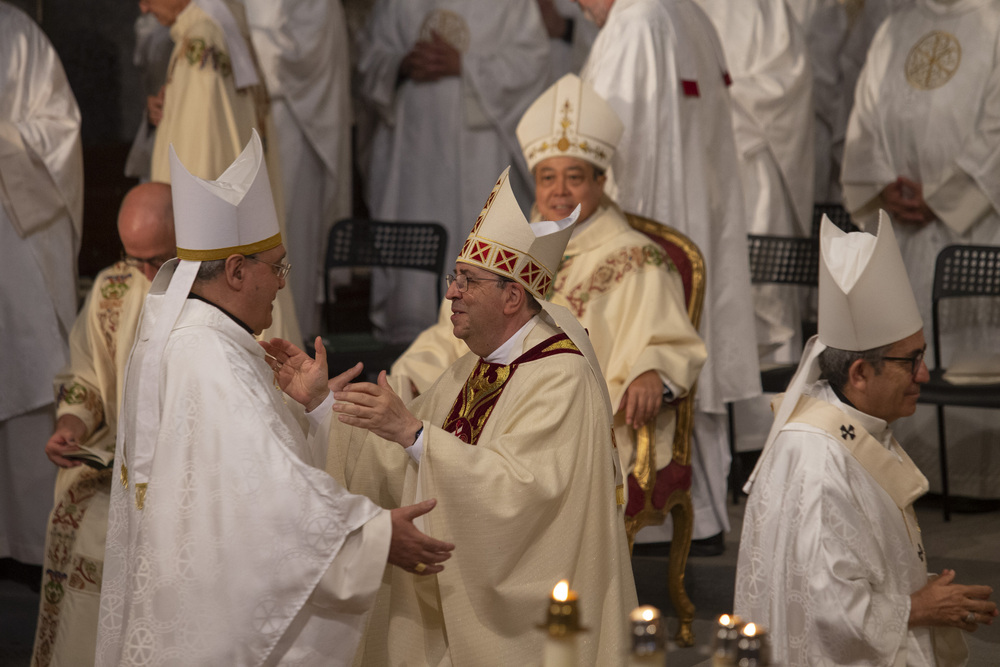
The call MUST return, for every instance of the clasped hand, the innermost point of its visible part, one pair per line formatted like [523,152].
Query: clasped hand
[377,408]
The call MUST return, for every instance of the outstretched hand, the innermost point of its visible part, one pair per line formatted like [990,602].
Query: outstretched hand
[299,375]
[942,602]
[379,409]
[412,550]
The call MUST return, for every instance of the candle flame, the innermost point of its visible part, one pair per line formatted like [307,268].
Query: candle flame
[724,619]
[647,615]
[561,591]
[750,630]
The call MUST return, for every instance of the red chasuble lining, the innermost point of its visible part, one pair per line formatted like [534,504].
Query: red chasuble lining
[482,390]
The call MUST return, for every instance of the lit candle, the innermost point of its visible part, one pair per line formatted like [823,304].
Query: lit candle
[562,625]
[647,638]
[724,644]
[752,650]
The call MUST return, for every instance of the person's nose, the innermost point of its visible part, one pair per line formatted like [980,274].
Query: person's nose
[923,373]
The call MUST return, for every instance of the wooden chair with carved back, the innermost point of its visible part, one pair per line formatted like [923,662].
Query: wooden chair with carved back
[656,489]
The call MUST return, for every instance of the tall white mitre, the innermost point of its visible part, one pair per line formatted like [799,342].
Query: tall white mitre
[233,215]
[570,119]
[865,302]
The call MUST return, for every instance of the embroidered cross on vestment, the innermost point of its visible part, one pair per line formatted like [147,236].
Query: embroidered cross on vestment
[847,432]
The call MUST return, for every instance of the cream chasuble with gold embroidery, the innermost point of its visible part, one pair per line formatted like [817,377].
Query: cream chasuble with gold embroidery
[628,296]
[88,388]
[534,501]
[831,550]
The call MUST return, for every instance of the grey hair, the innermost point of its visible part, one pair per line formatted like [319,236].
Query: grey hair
[210,270]
[835,364]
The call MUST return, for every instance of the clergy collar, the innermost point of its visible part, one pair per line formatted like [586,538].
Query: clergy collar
[878,428]
[511,348]
[243,325]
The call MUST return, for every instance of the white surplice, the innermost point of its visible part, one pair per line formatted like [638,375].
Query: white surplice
[831,550]
[41,219]
[244,553]
[303,52]
[438,146]
[660,66]
[924,109]
[773,120]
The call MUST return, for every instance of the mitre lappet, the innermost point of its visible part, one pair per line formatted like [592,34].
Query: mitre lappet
[232,215]
[865,302]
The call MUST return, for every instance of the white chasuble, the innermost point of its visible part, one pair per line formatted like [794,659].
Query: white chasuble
[439,145]
[660,66]
[924,108]
[235,557]
[525,507]
[831,550]
[304,55]
[41,218]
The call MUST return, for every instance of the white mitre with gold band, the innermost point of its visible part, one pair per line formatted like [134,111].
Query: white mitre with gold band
[504,242]
[865,302]
[233,215]
[570,120]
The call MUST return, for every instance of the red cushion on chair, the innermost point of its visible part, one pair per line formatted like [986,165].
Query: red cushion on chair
[675,476]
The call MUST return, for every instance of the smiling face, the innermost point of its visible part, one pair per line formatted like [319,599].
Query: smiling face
[893,391]
[563,182]
[478,313]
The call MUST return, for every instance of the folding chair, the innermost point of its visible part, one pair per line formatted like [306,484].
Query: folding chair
[960,271]
[838,215]
[781,260]
[398,245]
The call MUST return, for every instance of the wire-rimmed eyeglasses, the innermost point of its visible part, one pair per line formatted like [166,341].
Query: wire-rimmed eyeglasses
[462,281]
[281,269]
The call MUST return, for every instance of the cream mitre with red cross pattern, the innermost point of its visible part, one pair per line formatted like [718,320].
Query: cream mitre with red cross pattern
[569,120]
[504,242]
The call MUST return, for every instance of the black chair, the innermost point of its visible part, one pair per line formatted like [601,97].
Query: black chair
[838,215]
[397,245]
[781,260]
[960,271]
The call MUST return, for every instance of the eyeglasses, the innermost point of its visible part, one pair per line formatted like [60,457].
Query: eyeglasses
[462,281]
[914,361]
[281,270]
[153,262]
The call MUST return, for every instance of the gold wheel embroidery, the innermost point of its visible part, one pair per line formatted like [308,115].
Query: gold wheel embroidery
[933,60]
[449,25]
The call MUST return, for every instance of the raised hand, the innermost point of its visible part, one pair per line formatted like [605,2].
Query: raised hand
[379,409]
[299,375]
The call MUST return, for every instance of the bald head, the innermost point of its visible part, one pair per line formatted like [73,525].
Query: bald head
[146,225]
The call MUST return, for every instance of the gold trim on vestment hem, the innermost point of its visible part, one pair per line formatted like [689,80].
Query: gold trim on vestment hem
[140,495]
[222,253]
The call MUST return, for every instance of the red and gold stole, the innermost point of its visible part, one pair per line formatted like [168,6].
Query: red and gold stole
[482,390]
